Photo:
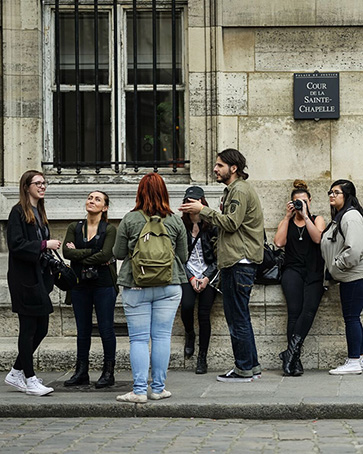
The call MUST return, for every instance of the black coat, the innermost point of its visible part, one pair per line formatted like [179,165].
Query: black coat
[29,283]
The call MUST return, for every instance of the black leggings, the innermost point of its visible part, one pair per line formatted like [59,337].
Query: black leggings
[302,300]
[32,330]
[206,300]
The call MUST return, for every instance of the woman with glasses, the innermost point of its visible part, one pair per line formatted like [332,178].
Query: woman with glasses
[30,279]
[88,245]
[342,249]
[302,278]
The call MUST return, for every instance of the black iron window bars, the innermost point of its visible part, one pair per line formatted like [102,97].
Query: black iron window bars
[104,97]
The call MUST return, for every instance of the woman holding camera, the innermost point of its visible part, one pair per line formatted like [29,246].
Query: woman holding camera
[29,278]
[302,277]
[200,268]
[88,245]
[342,249]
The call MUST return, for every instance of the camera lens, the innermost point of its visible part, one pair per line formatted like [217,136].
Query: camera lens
[297,204]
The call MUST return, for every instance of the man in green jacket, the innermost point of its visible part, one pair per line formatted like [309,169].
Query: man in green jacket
[239,250]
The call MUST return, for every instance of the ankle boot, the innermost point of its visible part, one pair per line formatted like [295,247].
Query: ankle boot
[189,344]
[107,378]
[202,365]
[291,356]
[80,376]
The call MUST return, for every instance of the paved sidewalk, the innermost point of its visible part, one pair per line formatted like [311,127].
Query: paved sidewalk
[314,395]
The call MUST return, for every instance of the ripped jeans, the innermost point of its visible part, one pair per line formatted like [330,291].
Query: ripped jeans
[237,282]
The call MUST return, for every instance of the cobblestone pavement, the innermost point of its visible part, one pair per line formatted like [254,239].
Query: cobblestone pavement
[162,435]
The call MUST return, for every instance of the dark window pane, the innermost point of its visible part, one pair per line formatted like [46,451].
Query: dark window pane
[146,126]
[86,48]
[145,48]
[67,126]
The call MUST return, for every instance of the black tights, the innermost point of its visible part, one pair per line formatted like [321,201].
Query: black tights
[206,299]
[302,300]
[32,330]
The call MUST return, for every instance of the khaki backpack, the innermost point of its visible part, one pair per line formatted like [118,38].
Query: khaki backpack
[153,257]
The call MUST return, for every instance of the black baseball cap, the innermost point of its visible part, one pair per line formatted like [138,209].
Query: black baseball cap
[194,192]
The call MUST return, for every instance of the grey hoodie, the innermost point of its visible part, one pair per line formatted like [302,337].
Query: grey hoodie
[344,257]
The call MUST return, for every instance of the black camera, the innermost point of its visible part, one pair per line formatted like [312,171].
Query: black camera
[47,259]
[89,274]
[298,205]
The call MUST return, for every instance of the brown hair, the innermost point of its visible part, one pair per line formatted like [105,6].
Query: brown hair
[104,216]
[152,196]
[300,187]
[24,200]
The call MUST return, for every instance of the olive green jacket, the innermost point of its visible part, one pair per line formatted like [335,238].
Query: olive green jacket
[240,225]
[128,233]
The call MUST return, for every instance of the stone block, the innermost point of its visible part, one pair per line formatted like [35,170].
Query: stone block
[309,49]
[265,13]
[336,12]
[198,14]
[22,14]
[351,92]
[197,147]
[332,351]
[346,156]
[199,42]
[237,50]
[22,52]
[25,136]
[227,132]
[199,86]
[270,94]
[232,93]
[279,147]
[276,320]
[23,96]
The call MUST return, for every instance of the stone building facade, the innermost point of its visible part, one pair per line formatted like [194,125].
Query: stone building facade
[236,60]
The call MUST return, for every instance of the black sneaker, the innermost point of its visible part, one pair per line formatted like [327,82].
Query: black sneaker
[232,377]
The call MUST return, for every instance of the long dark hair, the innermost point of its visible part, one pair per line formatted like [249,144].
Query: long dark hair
[233,157]
[187,221]
[24,200]
[350,202]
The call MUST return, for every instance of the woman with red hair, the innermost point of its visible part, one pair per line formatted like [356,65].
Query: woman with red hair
[150,311]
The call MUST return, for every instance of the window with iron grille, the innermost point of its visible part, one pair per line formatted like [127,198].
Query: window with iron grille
[114,80]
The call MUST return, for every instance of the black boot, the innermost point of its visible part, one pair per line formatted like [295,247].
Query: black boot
[299,370]
[189,344]
[107,378]
[291,356]
[81,376]
[202,365]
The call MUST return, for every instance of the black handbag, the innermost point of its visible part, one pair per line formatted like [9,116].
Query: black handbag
[64,277]
[270,270]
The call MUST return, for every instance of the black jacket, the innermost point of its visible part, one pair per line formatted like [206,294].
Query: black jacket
[208,240]
[29,284]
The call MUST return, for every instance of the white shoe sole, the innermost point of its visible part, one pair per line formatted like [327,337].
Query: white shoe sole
[39,394]
[19,388]
[346,372]
[234,380]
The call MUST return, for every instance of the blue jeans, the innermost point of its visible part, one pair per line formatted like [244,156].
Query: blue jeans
[237,282]
[150,314]
[104,300]
[351,298]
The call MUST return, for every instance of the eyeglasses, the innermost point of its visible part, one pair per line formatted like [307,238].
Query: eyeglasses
[334,193]
[39,184]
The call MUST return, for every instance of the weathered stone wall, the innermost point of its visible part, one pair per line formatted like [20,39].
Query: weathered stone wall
[241,57]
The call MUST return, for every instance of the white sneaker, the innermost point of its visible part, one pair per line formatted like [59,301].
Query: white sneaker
[16,378]
[361,361]
[35,388]
[163,395]
[351,366]
[132,397]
